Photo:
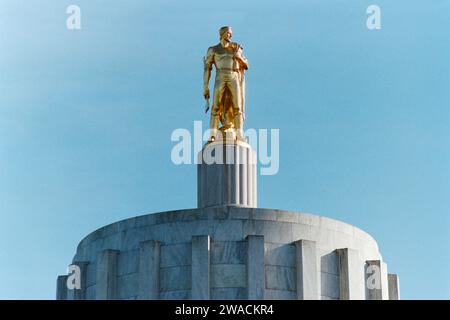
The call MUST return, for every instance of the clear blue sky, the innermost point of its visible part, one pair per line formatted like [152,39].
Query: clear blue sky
[86,118]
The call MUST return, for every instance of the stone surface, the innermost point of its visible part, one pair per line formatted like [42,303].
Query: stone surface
[230,179]
[255,267]
[228,276]
[306,270]
[278,254]
[128,262]
[61,288]
[272,294]
[329,262]
[176,295]
[350,275]
[201,248]
[90,293]
[128,284]
[329,286]
[252,254]
[228,293]
[384,281]
[280,278]
[394,287]
[228,252]
[106,284]
[176,255]
[149,267]
[175,278]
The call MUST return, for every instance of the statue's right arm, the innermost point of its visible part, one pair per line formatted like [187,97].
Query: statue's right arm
[208,62]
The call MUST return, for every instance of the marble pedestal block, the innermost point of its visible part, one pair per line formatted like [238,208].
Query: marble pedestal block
[226,174]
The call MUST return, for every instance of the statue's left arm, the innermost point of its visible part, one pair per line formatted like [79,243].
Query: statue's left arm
[239,56]
[243,65]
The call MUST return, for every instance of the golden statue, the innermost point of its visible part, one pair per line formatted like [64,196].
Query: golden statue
[228,105]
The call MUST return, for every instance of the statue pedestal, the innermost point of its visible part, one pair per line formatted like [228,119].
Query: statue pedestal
[226,174]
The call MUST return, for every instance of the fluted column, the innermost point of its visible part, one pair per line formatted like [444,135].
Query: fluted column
[226,175]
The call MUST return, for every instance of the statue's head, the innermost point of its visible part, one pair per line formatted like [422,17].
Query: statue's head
[226,33]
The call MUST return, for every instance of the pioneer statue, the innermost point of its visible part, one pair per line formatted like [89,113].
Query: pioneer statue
[228,99]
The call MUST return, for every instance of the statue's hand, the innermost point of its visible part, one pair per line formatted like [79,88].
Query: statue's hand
[206,93]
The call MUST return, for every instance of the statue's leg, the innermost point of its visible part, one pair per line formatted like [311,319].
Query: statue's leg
[217,107]
[213,126]
[227,107]
[237,107]
[239,124]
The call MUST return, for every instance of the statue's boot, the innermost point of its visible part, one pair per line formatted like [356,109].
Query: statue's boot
[213,126]
[239,125]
